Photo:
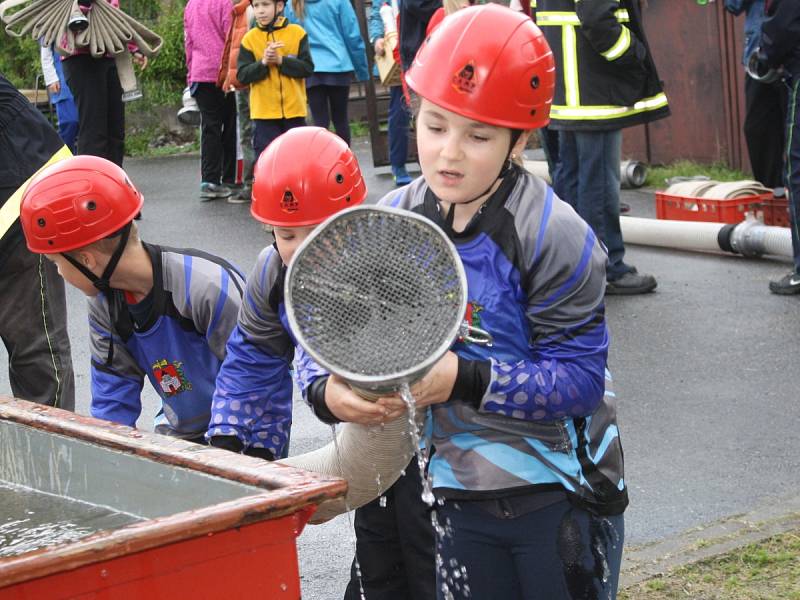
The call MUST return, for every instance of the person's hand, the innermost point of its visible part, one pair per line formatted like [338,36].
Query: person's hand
[140,60]
[437,385]
[54,88]
[271,54]
[380,47]
[348,406]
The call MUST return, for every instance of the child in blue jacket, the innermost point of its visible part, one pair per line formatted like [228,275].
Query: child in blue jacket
[339,54]
[154,312]
[306,175]
[527,463]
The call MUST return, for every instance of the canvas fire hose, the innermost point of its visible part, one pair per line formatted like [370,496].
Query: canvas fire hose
[377,296]
[103,30]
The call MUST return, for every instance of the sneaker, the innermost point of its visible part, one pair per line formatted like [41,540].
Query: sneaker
[210,191]
[242,196]
[401,176]
[788,285]
[624,208]
[630,284]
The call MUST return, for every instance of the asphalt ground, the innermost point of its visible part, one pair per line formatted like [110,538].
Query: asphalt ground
[705,371]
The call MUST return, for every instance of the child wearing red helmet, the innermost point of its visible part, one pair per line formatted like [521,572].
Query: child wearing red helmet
[154,312]
[527,462]
[303,177]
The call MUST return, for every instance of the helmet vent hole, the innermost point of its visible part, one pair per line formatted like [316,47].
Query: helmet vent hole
[50,242]
[90,205]
[347,199]
[41,222]
[533,111]
[339,178]
[535,81]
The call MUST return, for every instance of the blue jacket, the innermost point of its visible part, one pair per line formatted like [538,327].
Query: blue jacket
[180,348]
[754,17]
[333,36]
[253,399]
[543,416]
[375,23]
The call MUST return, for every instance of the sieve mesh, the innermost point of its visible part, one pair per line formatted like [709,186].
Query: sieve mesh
[376,294]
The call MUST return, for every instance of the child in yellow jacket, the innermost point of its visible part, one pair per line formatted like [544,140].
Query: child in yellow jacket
[274,60]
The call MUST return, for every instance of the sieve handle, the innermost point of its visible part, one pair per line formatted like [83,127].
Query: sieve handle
[475,335]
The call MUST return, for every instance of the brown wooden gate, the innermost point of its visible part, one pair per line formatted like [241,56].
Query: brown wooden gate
[698,52]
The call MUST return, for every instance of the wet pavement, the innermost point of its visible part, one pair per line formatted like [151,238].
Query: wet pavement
[705,371]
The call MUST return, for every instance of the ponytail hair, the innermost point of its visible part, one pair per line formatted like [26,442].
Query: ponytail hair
[299,8]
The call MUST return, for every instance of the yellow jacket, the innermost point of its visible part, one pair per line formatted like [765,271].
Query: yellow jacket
[276,92]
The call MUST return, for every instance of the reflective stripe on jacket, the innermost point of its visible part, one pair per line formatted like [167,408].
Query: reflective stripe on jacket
[606,75]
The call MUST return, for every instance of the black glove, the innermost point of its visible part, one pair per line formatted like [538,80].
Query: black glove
[227,442]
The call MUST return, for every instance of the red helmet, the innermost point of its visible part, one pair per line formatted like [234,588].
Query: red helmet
[305,176]
[490,64]
[75,202]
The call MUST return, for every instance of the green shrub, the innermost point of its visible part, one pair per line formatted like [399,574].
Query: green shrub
[162,81]
[19,60]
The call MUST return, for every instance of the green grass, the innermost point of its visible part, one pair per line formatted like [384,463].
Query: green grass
[657,175]
[359,129]
[139,142]
[769,570]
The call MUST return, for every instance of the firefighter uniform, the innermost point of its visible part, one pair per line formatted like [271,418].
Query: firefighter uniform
[606,80]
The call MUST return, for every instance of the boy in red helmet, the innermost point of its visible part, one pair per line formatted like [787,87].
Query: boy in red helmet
[154,312]
[527,462]
[303,177]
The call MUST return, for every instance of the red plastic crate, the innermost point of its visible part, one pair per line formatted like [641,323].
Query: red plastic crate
[682,208]
[776,212]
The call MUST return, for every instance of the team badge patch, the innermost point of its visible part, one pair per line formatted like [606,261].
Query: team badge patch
[472,318]
[466,79]
[170,377]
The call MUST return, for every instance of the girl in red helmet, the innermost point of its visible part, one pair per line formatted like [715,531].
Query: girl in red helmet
[157,313]
[303,177]
[527,462]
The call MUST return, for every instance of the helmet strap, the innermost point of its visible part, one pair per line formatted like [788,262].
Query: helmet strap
[103,283]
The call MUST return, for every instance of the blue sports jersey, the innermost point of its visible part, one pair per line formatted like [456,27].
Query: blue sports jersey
[547,419]
[180,347]
[253,399]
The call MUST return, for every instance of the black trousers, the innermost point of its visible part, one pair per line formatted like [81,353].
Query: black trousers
[329,102]
[764,123]
[33,327]
[101,114]
[217,133]
[266,130]
[395,545]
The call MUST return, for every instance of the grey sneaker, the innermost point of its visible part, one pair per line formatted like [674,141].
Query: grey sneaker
[210,191]
[242,196]
[786,286]
[630,284]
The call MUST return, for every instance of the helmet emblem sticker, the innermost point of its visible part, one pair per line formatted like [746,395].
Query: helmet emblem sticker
[465,80]
[288,202]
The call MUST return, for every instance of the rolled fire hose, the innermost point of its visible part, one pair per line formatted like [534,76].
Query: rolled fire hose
[727,190]
[376,296]
[748,238]
[108,30]
[632,172]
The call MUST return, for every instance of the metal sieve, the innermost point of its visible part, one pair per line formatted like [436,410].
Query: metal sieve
[376,296]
